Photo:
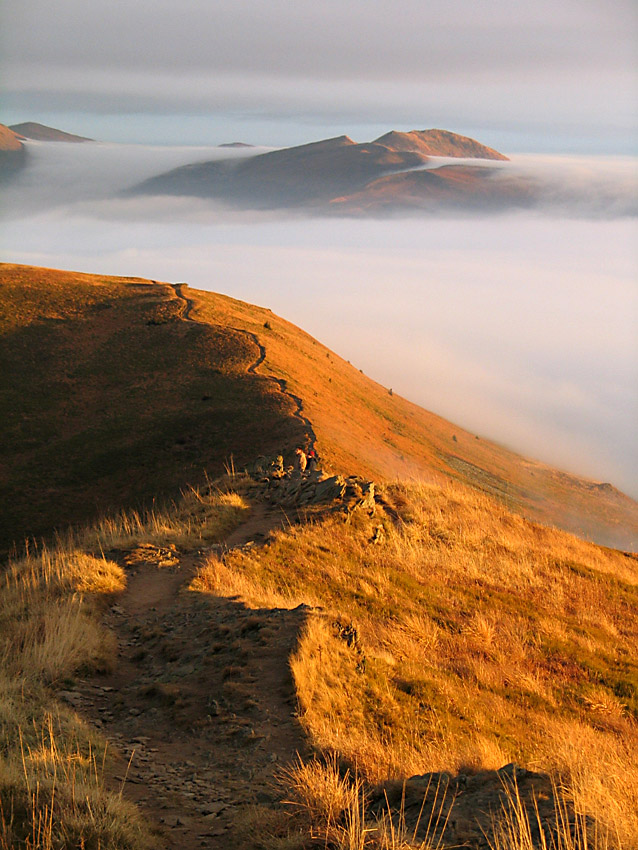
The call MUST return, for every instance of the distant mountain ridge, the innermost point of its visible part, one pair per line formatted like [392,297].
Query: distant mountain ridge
[297,176]
[42,133]
[341,176]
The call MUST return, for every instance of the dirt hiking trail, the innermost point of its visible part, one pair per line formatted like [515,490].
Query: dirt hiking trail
[201,701]
[186,316]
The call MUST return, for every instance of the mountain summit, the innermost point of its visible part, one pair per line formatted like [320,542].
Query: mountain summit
[438,143]
[42,133]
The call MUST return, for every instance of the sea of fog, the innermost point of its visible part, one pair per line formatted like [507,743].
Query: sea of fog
[522,327]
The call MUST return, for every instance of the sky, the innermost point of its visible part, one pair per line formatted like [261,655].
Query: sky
[553,75]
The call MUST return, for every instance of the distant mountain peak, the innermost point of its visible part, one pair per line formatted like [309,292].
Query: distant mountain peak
[437,142]
[42,133]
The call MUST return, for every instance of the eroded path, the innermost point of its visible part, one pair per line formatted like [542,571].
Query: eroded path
[188,307]
[201,701]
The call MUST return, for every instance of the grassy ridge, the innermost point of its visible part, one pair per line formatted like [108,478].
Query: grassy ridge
[361,427]
[116,401]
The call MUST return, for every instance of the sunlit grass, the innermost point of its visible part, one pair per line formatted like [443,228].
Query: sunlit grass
[481,639]
[52,792]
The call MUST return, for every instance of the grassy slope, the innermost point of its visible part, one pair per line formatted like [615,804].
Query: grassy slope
[115,400]
[52,792]
[479,638]
[362,428]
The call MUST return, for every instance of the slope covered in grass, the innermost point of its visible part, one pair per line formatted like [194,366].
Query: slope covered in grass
[51,794]
[118,393]
[53,763]
[362,427]
[467,638]
[113,400]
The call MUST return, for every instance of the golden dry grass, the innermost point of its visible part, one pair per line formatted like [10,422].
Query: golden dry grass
[471,638]
[362,428]
[203,515]
[51,792]
[49,627]
[51,763]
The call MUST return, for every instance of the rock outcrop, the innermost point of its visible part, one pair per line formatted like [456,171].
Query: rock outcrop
[462,810]
[291,488]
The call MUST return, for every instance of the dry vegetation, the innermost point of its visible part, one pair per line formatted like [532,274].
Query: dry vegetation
[465,637]
[115,399]
[51,794]
[203,515]
[363,428]
[469,639]
[51,763]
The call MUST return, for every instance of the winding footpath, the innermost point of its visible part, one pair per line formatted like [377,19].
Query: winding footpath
[189,306]
[200,710]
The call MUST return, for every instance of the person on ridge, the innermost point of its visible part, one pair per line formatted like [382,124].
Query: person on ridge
[312,461]
[300,460]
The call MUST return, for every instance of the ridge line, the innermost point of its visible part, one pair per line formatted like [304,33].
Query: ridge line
[189,306]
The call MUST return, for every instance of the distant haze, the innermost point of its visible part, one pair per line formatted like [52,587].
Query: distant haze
[550,76]
[520,327]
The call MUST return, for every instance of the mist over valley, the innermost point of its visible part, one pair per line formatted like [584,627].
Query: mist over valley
[517,323]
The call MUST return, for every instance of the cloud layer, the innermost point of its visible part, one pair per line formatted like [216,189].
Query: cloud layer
[565,69]
[62,175]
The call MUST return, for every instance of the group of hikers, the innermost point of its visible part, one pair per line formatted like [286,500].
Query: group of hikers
[305,463]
